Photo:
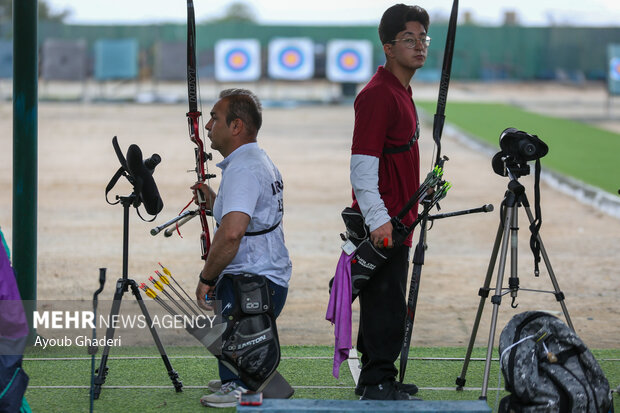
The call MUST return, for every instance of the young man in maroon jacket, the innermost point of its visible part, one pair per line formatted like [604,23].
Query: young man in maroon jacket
[385,173]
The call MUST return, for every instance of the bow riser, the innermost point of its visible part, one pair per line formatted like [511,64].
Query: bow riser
[193,120]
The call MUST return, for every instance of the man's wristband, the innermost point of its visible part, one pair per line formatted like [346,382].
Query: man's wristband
[210,283]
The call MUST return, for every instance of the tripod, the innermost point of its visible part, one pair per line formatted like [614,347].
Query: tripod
[508,228]
[418,262]
[122,286]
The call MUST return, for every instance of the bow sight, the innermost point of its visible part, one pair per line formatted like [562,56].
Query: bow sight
[517,148]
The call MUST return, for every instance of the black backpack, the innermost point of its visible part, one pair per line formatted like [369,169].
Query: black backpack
[547,368]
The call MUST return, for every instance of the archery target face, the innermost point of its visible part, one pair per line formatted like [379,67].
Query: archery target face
[291,58]
[349,61]
[614,69]
[237,60]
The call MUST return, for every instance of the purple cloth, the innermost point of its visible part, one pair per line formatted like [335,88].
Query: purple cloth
[339,311]
[13,322]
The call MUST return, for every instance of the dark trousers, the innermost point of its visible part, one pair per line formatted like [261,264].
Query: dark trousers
[383,310]
[226,294]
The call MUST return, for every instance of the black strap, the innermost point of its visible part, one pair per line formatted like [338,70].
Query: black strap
[210,283]
[537,222]
[402,148]
[264,231]
[121,171]
[406,147]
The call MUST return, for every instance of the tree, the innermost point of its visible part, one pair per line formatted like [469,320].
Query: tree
[46,14]
[6,12]
[237,12]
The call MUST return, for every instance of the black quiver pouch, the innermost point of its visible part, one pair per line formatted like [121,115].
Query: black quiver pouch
[366,259]
[251,344]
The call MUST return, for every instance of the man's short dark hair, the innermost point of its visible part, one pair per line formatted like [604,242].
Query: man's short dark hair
[244,105]
[396,17]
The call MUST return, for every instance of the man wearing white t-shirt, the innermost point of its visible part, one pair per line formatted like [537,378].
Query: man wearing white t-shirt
[248,209]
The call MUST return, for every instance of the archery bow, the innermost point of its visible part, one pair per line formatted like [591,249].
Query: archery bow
[438,122]
[193,117]
[446,69]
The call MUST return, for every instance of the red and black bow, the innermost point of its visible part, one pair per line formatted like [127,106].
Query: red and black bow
[193,117]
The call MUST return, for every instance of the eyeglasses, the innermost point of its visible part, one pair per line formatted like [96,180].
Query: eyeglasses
[410,42]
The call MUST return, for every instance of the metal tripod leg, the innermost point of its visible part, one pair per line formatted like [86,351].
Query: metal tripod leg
[509,220]
[508,227]
[102,371]
[122,286]
[559,295]
[484,294]
[501,239]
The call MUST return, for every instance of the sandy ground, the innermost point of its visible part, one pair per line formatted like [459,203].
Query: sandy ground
[79,232]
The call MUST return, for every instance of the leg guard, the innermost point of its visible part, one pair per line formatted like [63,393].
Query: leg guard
[251,344]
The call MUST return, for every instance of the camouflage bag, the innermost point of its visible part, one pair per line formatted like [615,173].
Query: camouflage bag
[547,368]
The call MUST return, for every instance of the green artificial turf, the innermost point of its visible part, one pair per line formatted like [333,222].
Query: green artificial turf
[576,149]
[307,368]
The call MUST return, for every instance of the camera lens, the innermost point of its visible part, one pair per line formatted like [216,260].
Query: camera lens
[527,148]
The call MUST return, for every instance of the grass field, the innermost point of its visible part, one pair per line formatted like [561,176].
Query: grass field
[576,149]
[137,380]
